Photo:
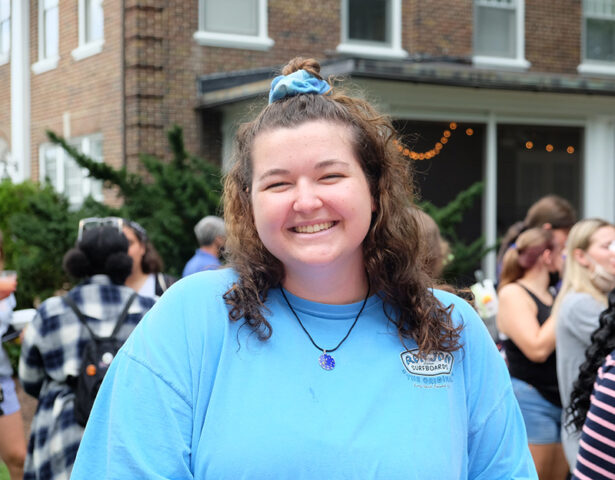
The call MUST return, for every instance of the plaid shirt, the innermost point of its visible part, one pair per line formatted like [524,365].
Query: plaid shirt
[51,352]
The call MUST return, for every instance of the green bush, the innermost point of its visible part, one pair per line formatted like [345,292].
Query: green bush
[168,201]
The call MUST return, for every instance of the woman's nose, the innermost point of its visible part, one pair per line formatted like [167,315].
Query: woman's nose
[307,198]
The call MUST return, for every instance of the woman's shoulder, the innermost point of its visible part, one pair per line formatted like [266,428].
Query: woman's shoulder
[462,312]
[580,303]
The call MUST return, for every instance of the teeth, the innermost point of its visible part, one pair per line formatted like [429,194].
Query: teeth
[314,228]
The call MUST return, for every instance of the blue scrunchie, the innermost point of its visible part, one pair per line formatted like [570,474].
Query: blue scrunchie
[296,83]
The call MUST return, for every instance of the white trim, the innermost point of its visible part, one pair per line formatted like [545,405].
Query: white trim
[45,65]
[229,40]
[5,58]
[597,68]
[393,50]
[599,168]
[519,62]
[20,89]
[261,41]
[501,62]
[87,50]
[370,51]
[490,195]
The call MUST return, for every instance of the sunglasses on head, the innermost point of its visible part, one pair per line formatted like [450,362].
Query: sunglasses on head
[90,223]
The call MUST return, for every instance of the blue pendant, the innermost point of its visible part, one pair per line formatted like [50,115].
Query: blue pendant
[326,361]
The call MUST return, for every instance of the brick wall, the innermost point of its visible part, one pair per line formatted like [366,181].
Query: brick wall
[437,28]
[553,35]
[5,103]
[89,91]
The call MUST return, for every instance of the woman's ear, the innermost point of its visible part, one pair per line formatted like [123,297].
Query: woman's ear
[581,257]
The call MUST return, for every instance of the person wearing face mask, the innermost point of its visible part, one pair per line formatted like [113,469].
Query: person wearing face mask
[589,274]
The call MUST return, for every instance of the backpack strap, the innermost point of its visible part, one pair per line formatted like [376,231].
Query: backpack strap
[123,315]
[71,303]
[161,284]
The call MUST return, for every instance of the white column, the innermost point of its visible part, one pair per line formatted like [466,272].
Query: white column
[490,196]
[20,89]
[599,169]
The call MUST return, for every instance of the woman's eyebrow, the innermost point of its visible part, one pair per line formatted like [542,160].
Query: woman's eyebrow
[273,171]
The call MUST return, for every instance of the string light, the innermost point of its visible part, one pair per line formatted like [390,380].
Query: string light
[437,148]
[549,148]
[469,132]
[529,145]
[570,149]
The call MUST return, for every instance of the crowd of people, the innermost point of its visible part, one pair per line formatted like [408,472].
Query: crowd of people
[328,346]
[555,277]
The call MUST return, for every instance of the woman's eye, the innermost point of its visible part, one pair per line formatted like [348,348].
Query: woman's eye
[331,176]
[276,185]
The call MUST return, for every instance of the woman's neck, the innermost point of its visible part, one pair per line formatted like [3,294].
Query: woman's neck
[136,280]
[536,279]
[322,286]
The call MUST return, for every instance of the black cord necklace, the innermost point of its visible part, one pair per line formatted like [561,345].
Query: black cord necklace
[326,361]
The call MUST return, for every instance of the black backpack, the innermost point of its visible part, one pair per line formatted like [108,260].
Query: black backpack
[95,361]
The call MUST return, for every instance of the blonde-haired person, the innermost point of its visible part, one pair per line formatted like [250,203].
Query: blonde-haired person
[524,316]
[322,352]
[12,439]
[589,275]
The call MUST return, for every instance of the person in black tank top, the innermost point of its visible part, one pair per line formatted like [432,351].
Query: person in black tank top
[524,317]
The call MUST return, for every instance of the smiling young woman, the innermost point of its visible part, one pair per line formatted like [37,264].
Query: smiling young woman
[322,352]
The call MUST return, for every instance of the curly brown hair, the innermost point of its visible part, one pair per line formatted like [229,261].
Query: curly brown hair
[392,242]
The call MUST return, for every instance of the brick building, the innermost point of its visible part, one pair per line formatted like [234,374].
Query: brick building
[518,93]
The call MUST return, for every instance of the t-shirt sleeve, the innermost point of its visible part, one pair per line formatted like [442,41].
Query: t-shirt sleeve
[580,315]
[497,439]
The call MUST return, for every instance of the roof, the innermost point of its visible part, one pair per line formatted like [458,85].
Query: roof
[230,87]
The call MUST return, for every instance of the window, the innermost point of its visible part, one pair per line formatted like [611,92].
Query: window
[499,33]
[65,175]
[5,30]
[48,36]
[233,24]
[598,36]
[371,28]
[91,29]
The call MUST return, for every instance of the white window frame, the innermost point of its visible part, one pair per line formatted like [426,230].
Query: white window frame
[5,56]
[260,41]
[45,64]
[519,61]
[85,48]
[371,49]
[588,65]
[83,145]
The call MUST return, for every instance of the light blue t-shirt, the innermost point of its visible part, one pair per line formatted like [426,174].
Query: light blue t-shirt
[192,395]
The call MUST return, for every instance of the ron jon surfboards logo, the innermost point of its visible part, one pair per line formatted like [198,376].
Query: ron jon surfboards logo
[433,364]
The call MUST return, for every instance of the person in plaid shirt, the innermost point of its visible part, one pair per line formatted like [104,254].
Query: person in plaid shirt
[53,345]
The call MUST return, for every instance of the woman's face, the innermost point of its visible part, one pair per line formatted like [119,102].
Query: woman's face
[136,249]
[602,249]
[311,201]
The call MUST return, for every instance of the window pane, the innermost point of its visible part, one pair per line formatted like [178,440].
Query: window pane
[600,40]
[5,36]
[47,4]
[495,32]
[368,20]
[51,165]
[232,16]
[73,180]
[50,24]
[94,20]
